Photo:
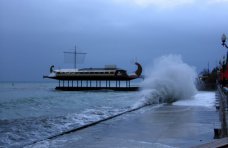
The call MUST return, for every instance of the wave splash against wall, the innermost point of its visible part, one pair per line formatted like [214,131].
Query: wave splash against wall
[168,80]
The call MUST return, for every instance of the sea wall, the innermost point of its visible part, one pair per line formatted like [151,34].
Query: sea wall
[222,96]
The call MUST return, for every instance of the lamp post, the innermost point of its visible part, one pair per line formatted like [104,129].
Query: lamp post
[225,45]
[223,39]
[223,101]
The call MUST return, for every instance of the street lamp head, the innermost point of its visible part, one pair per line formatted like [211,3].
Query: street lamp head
[223,39]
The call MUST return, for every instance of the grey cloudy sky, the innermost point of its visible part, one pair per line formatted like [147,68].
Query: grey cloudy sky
[34,33]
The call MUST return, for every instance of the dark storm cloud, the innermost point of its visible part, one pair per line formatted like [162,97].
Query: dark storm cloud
[34,33]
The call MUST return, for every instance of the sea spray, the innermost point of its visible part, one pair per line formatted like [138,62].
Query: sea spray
[168,80]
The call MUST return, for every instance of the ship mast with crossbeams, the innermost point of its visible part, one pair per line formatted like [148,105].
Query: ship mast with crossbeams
[75,53]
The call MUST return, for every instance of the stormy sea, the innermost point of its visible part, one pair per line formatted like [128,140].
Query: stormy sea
[32,112]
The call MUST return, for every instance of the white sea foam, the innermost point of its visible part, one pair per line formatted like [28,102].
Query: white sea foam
[168,80]
[206,99]
[18,133]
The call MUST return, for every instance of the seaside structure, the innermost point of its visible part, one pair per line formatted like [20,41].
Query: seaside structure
[110,77]
[94,78]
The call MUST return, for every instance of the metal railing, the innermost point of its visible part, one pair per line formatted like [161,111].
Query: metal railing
[222,110]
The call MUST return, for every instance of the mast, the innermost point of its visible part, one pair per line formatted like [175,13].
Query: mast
[75,56]
[75,53]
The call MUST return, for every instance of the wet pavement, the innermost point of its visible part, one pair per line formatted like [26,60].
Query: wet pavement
[163,126]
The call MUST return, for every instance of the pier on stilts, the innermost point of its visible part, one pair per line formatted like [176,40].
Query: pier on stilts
[84,85]
[108,78]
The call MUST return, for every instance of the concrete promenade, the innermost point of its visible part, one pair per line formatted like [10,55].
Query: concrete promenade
[164,126]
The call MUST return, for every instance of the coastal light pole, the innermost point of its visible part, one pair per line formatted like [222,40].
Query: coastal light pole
[223,100]
[225,45]
[223,38]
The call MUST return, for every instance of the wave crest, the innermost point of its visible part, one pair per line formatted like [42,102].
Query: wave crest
[168,80]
